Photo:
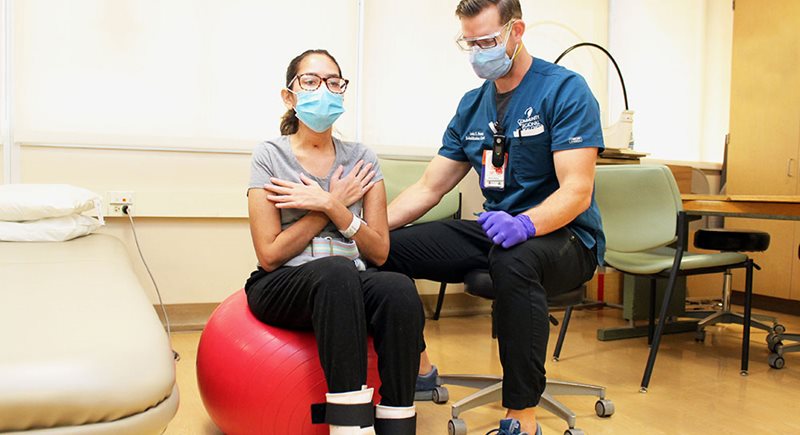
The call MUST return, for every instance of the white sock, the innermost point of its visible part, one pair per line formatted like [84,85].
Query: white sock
[395,412]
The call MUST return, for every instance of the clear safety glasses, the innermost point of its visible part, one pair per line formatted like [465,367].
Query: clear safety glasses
[483,42]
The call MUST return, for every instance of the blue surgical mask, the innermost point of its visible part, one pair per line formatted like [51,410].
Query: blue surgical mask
[491,63]
[319,109]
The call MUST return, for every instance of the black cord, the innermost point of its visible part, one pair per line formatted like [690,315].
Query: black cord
[592,44]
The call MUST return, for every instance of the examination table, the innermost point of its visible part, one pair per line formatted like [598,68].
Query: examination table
[81,348]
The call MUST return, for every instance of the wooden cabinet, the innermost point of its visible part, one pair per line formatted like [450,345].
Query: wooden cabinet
[777,273]
[764,146]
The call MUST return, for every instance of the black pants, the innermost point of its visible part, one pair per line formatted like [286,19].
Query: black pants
[342,305]
[522,275]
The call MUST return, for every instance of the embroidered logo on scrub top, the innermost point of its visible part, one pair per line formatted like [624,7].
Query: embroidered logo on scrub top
[529,112]
[576,139]
[475,135]
[531,125]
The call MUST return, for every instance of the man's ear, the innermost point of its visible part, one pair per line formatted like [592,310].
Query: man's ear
[288,99]
[518,29]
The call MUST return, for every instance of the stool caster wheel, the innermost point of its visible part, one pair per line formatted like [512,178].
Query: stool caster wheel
[778,328]
[574,431]
[700,336]
[604,408]
[776,361]
[456,426]
[773,341]
[440,395]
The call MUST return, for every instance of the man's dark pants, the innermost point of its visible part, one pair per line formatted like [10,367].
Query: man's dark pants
[522,275]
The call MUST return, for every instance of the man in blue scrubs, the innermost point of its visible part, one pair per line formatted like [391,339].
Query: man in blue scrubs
[532,132]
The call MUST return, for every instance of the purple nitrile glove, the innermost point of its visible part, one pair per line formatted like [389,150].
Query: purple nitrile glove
[506,230]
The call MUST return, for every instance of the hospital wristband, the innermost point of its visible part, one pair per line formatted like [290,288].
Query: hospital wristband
[351,231]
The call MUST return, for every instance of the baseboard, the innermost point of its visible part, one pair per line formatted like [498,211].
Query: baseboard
[187,317]
[770,303]
[456,304]
[193,317]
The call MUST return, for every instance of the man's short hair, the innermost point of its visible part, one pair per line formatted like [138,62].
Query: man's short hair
[509,9]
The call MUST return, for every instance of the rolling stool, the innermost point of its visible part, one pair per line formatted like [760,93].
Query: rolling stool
[479,283]
[777,348]
[732,240]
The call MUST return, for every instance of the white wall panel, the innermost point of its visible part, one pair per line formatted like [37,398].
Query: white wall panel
[177,72]
[415,74]
[676,60]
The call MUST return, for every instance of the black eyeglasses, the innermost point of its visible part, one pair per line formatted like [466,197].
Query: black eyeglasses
[312,82]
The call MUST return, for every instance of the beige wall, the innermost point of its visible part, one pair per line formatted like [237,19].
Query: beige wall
[165,184]
[191,205]
[191,213]
[193,260]
[196,259]
[192,221]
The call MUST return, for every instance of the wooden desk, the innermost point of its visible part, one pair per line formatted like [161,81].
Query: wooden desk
[617,156]
[778,290]
[745,206]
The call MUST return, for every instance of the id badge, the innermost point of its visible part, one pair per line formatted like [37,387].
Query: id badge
[493,178]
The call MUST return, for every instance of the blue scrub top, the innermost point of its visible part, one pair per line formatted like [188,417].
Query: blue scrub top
[551,110]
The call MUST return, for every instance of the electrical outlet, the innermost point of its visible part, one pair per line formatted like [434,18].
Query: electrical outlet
[116,200]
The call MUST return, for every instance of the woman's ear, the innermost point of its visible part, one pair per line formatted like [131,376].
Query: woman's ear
[288,99]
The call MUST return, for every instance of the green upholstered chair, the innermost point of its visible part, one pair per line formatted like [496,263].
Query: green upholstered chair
[399,174]
[642,215]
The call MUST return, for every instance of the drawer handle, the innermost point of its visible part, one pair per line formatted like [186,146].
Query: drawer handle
[789,165]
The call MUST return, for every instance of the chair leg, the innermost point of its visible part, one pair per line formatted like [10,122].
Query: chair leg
[652,313]
[494,322]
[490,390]
[562,333]
[748,299]
[440,300]
[564,388]
[726,315]
[662,320]
[555,407]
[490,394]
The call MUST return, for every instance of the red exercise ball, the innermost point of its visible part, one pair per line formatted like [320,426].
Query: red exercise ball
[260,379]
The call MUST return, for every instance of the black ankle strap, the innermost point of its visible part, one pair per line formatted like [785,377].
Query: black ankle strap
[361,415]
[396,426]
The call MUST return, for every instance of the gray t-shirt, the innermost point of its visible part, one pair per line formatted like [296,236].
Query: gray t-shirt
[274,158]
[501,101]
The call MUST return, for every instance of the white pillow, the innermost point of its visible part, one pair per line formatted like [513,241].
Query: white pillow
[27,202]
[57,229]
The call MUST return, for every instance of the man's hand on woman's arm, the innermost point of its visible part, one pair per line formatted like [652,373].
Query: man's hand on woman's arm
[440,177]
